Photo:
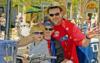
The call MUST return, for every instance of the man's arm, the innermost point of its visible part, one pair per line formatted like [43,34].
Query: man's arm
[89,35]
[85,42]
[81,39]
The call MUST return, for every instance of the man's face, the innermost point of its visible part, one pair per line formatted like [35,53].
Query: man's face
[55,15]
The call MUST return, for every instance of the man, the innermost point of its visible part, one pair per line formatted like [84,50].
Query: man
[67,34]
[2,23]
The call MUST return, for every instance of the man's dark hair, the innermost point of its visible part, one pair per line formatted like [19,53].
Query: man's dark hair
[53,7]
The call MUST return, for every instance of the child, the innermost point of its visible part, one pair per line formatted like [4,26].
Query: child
[54,46]
[38,46]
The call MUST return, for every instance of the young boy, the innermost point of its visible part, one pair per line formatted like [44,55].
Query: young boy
[38,47]
[54,46]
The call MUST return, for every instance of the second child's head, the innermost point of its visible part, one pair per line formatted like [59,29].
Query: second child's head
[37,32]
[48,30]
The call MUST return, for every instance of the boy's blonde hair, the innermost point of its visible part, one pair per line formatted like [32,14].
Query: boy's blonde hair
[37,28]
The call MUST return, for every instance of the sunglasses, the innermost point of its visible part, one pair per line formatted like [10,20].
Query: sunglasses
[49,29]
[37,33]
[56,14]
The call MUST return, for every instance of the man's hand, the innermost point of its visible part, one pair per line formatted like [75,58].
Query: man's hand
[95,31]
[92,33]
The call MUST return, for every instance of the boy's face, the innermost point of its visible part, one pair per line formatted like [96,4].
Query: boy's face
[55,15]
[48,32]
[38,35]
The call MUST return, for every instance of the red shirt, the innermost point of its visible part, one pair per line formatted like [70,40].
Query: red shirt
[74,38]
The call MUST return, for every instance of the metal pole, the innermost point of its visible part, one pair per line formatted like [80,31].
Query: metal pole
[8,8]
